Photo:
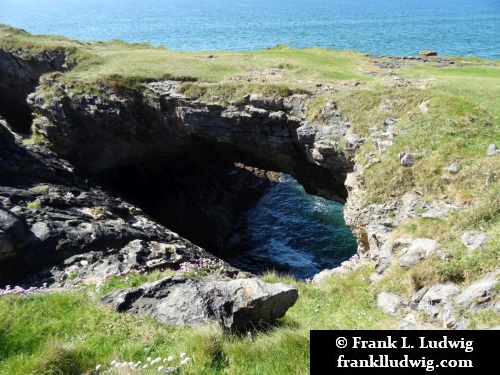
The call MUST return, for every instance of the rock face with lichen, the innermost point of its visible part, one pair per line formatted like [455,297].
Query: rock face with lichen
[49,213]
[20,76]
[234,304]
[102,132]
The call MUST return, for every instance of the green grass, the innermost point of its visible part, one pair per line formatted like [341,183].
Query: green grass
[98,61]
[463,118]
[68,333]
[228,92]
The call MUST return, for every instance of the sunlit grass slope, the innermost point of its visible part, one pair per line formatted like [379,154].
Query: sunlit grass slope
[68,333]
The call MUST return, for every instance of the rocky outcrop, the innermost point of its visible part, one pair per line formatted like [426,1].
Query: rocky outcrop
[58,214]
[49,213]
[110,130]
[137,257]
[153,127]
[443,303]
[481,295]
[20,75]
[474,240]
[492,150]
[234,304]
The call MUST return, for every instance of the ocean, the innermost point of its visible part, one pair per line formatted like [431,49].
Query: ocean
[383,27]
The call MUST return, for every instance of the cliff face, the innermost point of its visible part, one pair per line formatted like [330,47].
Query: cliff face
[20,73]
[106,131]
[50,213]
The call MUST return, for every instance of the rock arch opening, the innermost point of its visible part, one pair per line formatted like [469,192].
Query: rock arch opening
[254,219]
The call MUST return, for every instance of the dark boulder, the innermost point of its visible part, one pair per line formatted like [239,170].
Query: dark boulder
[182,301]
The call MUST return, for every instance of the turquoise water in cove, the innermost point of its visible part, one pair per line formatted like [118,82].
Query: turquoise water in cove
[384,27]
[288,230]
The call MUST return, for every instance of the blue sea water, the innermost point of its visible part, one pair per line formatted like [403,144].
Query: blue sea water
[384,27]
[289,230]
[294,233]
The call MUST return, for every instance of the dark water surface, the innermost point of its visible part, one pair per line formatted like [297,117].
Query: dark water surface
[294,233]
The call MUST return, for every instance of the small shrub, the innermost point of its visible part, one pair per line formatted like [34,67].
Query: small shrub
[34,205]
[420,210]
[412,228]
[459,267]
[285,66]
[40,189]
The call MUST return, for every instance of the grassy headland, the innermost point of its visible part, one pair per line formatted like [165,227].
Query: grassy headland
[448,114]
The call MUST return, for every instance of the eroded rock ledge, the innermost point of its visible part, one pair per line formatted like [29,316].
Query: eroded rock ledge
[20,76]
[102,132]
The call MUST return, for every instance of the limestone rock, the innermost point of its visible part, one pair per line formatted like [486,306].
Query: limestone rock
[390,303]
[474,240]
[355,262]
[420,249]
[296,104]
[437,297]
[405,325]
[330,114]
[406,159]
[453,168]
[306,133]
[428,53]
[323,275]
[388,252]
[383,145]
[448,316]
[257,112]
[419,294]
[260,101]
[492,150]
[181,301]
[480,295]
[412,321]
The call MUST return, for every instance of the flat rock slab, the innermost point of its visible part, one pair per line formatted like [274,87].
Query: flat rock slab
[474,240]
[183,301]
